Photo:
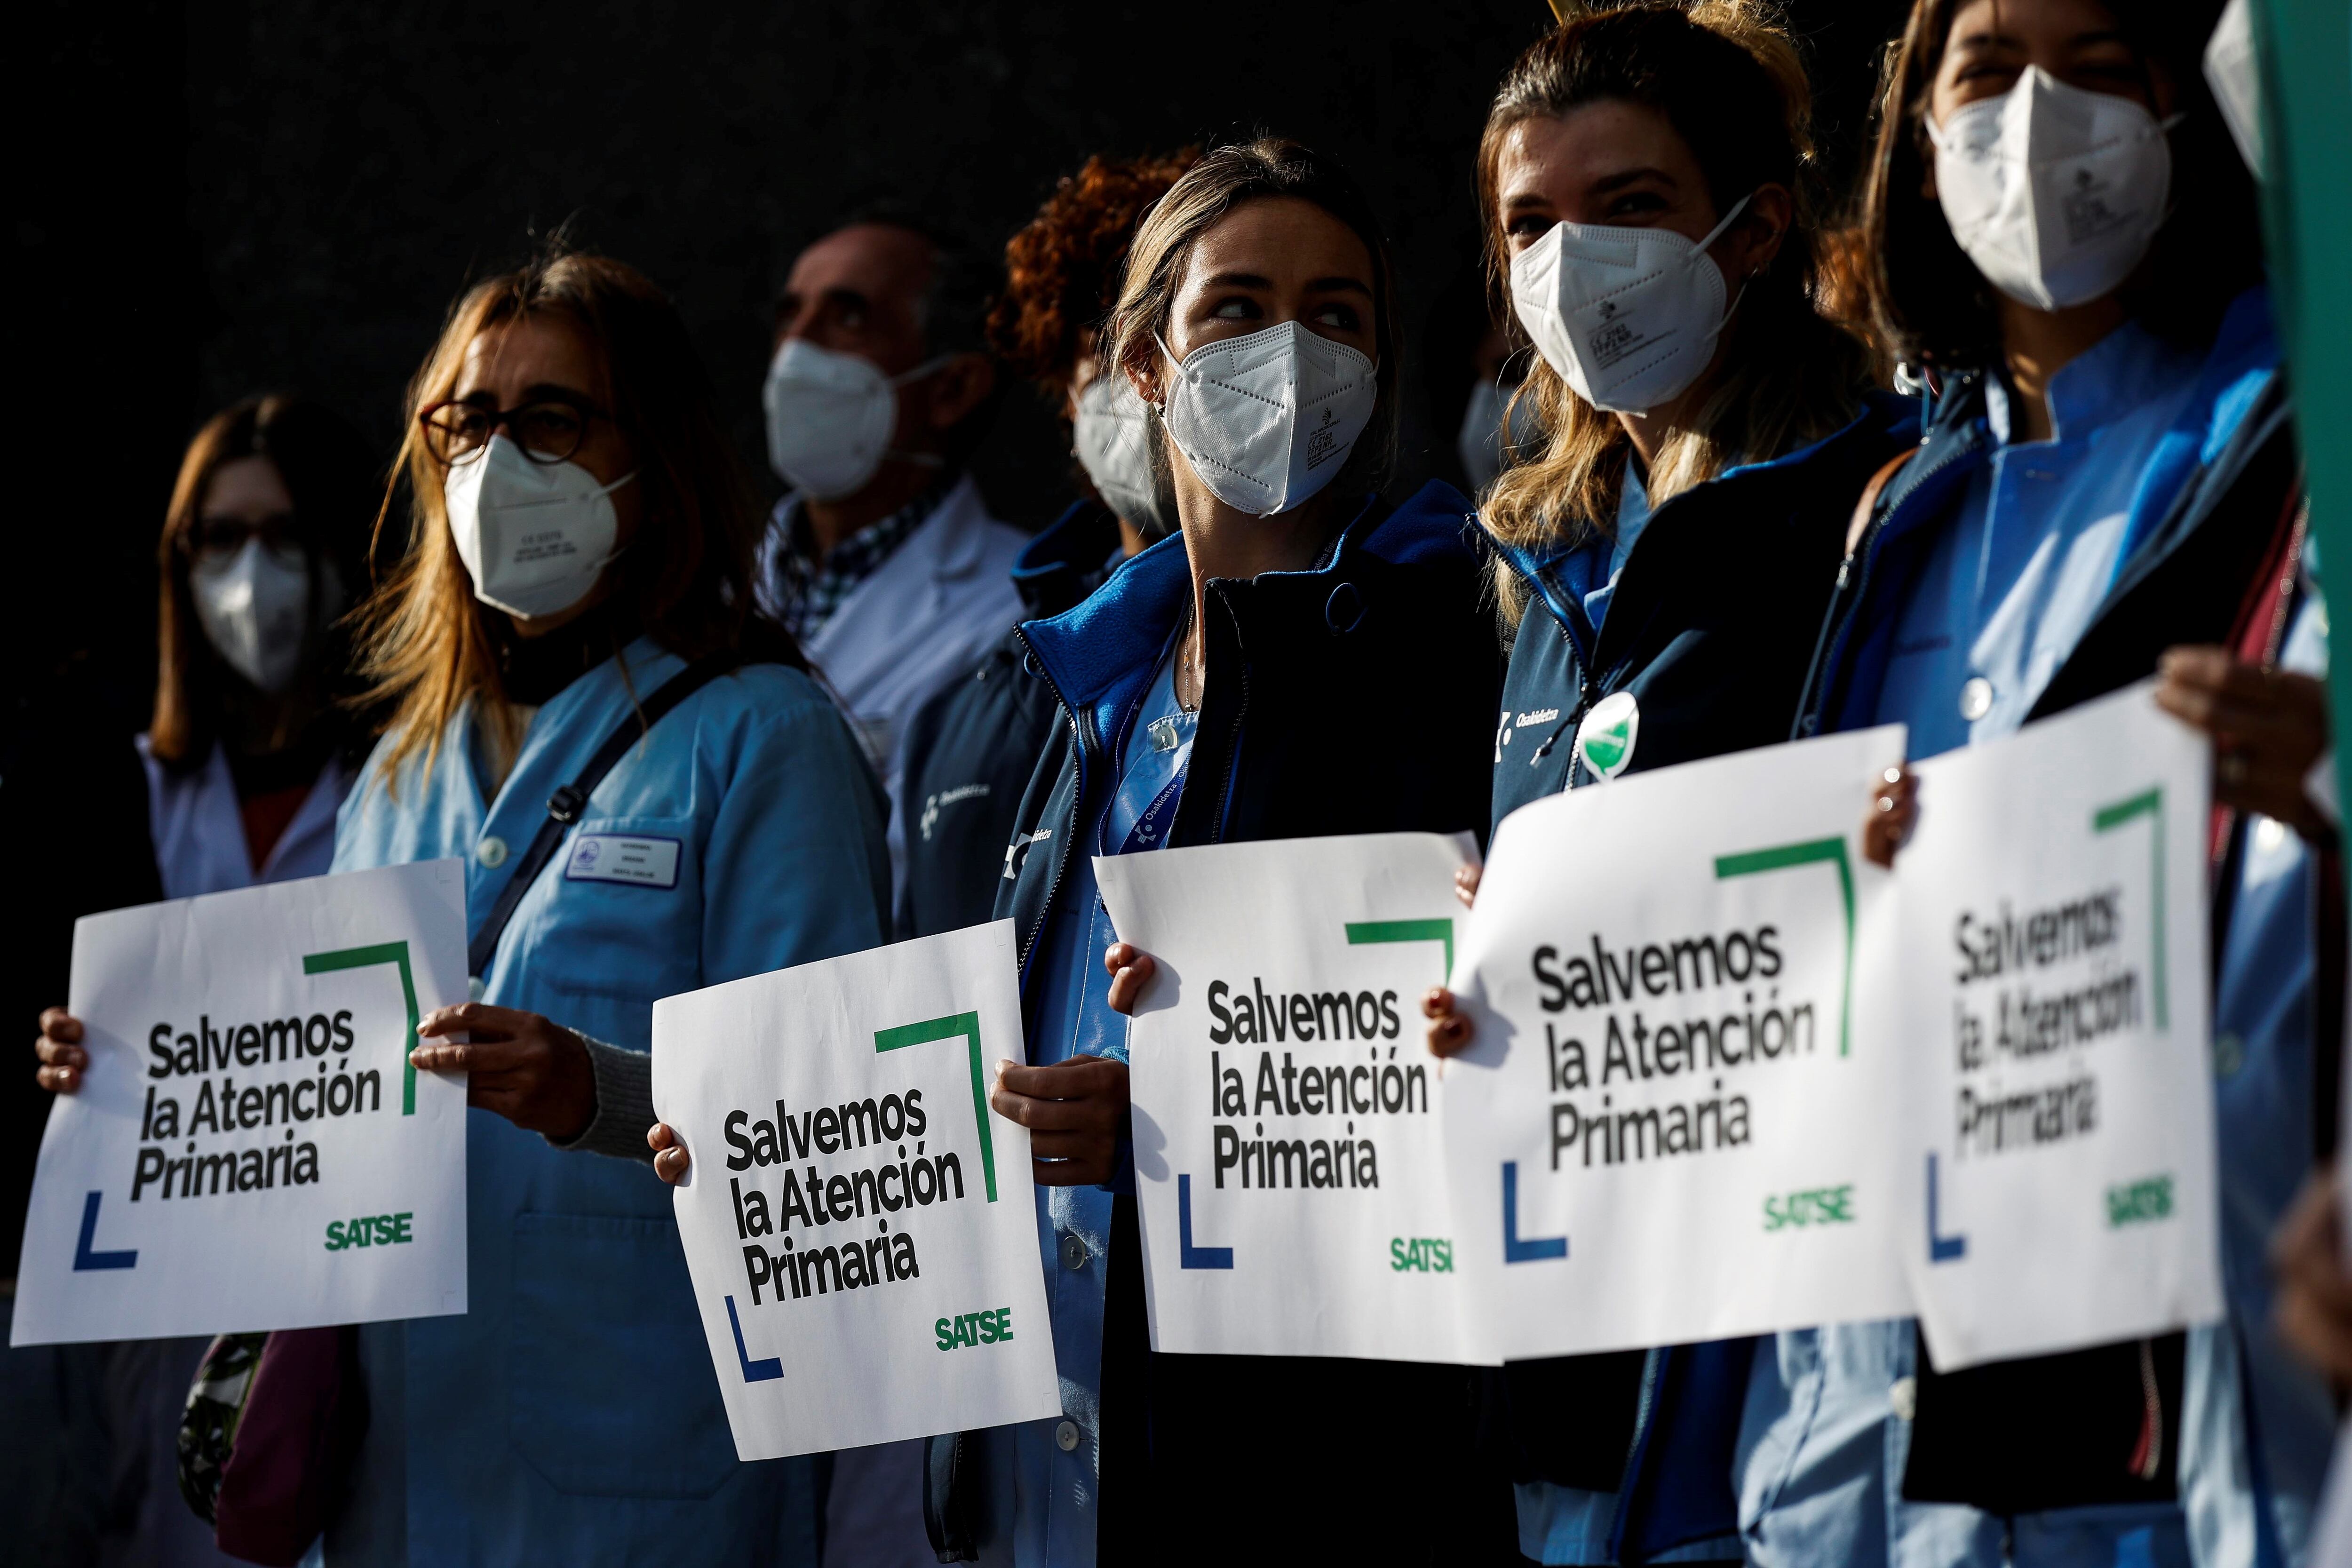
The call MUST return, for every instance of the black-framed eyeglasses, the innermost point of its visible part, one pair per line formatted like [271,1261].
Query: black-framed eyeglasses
[220,536]
[548,429]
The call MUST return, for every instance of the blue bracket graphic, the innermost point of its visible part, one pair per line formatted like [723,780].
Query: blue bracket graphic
[753,1371]
[1941,1248]
[1535,1248]
[86,1258]
[1187,1254]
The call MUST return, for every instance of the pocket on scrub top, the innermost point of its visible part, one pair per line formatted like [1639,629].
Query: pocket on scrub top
[626,907]
[606,1349]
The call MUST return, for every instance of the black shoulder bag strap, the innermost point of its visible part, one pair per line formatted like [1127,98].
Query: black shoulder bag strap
[564,806]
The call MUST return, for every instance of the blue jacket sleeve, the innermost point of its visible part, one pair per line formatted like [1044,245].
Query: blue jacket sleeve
[795,868]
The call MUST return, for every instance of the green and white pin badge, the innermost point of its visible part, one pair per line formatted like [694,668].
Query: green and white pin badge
[1605,739]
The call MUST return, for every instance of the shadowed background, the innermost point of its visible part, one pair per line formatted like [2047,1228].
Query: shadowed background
[217,198]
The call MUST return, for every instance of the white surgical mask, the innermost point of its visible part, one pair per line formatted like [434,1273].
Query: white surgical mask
[255,609]
[1267,420]
[830,417]
[1496,424]
[2052,191]
[1628,317]
[1112,439]
[535,536]
[2237,86]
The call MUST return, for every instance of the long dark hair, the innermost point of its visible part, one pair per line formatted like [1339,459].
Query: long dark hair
[334,480]
[1932,305]
[428,647]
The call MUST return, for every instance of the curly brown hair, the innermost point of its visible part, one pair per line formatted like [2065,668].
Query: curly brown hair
[1062,272]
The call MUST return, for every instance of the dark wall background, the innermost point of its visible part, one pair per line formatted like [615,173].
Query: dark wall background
[241,194]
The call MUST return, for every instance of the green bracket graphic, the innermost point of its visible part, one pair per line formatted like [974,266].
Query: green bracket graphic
[964,1025]
[2148,804]
[1814,852]
[1363,934]
[394,952]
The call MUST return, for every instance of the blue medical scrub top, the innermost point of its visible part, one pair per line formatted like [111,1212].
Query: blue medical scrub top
[572,1414]
[1054,1488]
[2007,591]
[2010,587]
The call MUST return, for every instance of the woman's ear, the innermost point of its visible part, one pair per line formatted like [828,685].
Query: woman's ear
[1146,382]
[1758,236]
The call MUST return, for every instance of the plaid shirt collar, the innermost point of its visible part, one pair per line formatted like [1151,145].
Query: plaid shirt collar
[812,589]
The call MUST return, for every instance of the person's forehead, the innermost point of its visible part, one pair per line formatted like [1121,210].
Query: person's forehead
[542,349]
[879,261]
[1591,142]
[1272,234]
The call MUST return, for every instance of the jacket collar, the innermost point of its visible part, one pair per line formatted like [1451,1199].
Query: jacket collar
[1100,655]
[1885,417]
[1067,561]
[951,528]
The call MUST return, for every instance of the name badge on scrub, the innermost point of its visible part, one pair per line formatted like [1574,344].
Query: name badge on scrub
[617,858]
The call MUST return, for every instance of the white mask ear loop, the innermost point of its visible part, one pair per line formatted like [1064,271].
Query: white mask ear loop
[920,460]
[1713,235]
[1161,408]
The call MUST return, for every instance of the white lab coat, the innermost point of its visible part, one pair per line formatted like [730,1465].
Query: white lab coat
[199,833]
[930,613]
[199,839]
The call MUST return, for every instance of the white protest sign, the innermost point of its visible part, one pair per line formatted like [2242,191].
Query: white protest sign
[860,1226]
[1671,1124]
[250,1149]
[1289,1161]
[2050,995]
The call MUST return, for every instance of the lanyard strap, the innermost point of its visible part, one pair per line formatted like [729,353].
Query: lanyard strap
[564,806]
[1151,829]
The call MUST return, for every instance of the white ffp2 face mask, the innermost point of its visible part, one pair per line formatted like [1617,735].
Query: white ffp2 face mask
[534,536]
[1267,420]
[1628,317]
[1498,427]
[831,417]
[255,609]
[1112,438]
[2052,191]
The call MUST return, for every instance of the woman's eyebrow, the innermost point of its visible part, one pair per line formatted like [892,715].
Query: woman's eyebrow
[1619,181]
[1340,283]
[1236,280]
[1988,37]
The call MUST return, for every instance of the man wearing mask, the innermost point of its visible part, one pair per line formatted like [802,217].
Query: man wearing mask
[968,754]
[882,558]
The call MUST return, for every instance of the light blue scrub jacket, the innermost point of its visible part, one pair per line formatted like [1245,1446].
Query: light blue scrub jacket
[2012,586]
[572,1414]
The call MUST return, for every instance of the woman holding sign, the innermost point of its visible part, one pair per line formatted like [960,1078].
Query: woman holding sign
[236,780]
[573,676]
[2065,241]
[1265,653]
[1299,617]
[1663,562]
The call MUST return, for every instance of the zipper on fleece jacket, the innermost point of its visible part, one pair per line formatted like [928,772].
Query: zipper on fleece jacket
[1081,724]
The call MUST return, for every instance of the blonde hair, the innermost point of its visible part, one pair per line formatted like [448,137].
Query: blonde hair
[426,647]
[1726,75]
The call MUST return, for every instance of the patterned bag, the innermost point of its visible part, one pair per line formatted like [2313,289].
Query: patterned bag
[215,1407]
